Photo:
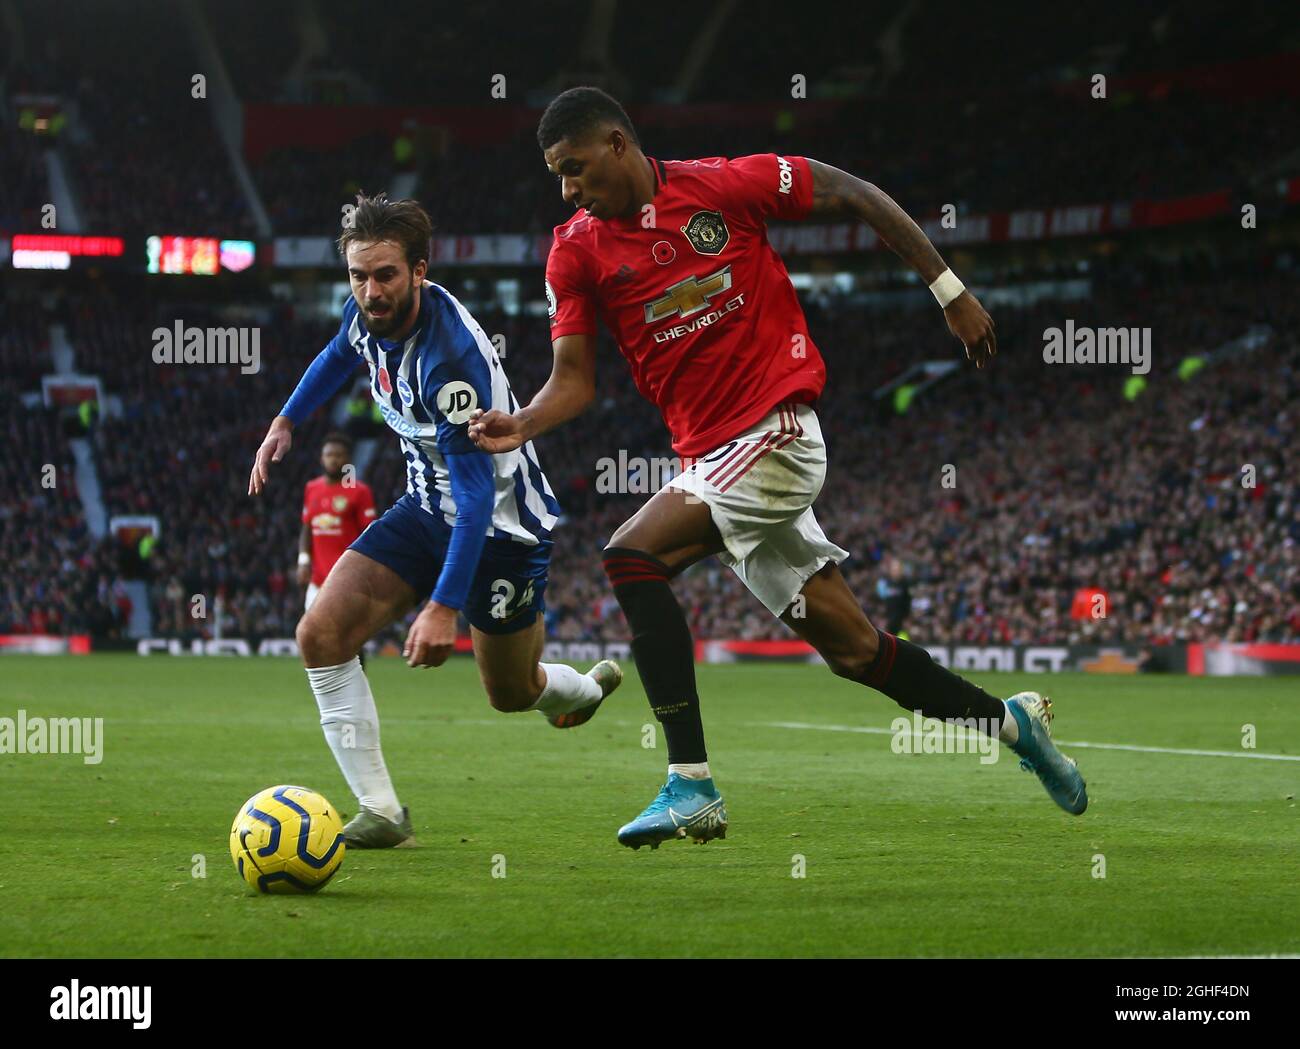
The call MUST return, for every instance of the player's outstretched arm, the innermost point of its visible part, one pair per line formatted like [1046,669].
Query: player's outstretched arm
[332,367]
[837,194]
[571,387]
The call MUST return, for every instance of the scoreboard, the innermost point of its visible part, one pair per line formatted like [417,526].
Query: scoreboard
[203,256]
[199,255]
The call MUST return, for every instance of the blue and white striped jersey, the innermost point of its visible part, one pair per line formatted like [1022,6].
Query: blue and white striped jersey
[426,386]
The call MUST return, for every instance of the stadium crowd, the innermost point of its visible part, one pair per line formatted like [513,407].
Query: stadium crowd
[141,150]
[990,160]
[56,578]
[1064,486]
[1061,483]
[1018,143]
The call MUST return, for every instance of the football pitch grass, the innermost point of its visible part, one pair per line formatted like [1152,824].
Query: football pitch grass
[902,854]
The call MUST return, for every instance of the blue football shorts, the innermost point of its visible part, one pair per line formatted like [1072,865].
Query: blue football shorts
[508,590]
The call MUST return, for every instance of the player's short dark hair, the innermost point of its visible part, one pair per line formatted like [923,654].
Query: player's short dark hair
[577,112]
[337,437]
[401,221]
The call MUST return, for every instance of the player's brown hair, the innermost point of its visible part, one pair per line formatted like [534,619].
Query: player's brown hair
[401,221]
[337,437]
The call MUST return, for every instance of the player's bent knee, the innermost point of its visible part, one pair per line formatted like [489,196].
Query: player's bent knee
[321,643]
[311,645]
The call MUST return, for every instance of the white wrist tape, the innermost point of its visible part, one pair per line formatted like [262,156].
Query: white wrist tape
[304,559]
[946,287]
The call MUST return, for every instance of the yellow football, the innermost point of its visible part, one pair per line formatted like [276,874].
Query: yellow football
[287,839]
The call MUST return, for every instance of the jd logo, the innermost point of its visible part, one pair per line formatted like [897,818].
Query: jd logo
[456,400]
[707,232]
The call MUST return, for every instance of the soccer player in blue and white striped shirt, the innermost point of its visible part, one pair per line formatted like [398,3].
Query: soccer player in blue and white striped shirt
[472,532]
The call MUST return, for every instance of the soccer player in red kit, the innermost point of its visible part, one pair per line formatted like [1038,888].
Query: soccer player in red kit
[335,510]
[673,257]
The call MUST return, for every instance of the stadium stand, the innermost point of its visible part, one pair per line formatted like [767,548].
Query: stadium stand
[1062,482]
[1065,486]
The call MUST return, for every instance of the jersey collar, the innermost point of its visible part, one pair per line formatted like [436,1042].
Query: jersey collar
[661,174]
[661,183]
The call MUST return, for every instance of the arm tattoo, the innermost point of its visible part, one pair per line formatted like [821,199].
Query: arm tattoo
[837,194]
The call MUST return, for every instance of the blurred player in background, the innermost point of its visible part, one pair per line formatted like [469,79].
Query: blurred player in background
[674,257]
[335,511]
[894,589]
[472,532]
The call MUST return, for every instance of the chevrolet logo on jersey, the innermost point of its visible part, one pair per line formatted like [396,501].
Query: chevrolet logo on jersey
[688,296]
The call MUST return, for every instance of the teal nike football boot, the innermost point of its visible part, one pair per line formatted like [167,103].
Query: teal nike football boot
[1038,754]
[683,807]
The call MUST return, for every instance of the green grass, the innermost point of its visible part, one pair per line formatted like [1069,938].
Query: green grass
[921,855]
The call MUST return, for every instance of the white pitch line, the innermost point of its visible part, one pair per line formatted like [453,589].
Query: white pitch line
[1182,750]
[1064,743]
[1183,957]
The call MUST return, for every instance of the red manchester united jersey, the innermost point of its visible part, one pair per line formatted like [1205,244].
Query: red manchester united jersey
[697,299]
[337,513]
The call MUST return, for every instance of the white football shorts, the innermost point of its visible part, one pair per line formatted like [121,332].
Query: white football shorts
[760,488]
[312,591]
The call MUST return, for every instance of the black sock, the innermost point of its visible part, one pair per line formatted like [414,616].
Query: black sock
[662,647]
[907,675]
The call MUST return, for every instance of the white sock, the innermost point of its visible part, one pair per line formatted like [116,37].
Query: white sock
[695,771]
[566,690]
[351,724]
[1010,731]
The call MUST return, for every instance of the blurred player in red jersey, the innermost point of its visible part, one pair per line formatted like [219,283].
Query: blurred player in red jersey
[335,510]
[674,258]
